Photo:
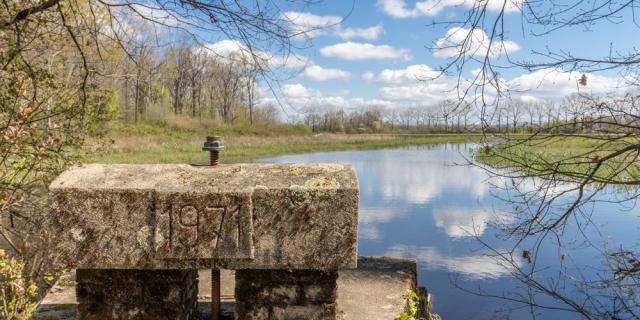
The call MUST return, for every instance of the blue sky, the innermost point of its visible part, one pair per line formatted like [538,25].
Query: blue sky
[370,54]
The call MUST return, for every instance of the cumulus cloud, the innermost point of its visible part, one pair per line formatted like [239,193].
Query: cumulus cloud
[550,83]
[227,48]
[290,61]
[410,75]
[418,94]
[368,76]
[370,33]
[415,84]
[233,49]
[420,84]
[310,25]
[319,73]
[364,51]
[299,96]
[400,9]
[461,41]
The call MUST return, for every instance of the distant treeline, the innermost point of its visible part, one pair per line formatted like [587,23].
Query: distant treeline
[573,114]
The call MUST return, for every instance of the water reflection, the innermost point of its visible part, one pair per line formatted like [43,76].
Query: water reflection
[478,266]
[415,177]
[458,221]
[417,203]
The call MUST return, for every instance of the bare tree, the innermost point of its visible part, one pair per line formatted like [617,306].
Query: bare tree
[606,123]
[445,109]
[392,116]
[56,76]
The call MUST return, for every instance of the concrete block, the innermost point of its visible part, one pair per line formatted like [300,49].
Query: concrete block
[244,216]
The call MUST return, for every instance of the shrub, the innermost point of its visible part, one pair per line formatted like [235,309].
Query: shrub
[17,293]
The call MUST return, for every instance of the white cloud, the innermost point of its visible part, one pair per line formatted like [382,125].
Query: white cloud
[371,33]
[310,25]
[364,51]
[290,61]
[529,98]
[401,88]
[307,25]
[550,83]
[368,76]
[473,266]
[415,84]
[228,48]
[400,9]
[419,94]
[319,73]
[471,42]
[300,97]
[297,91]
[410,75]
[419,85]
[233,49]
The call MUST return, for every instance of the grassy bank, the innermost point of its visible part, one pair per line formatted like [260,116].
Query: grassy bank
[572,156]
[152,143]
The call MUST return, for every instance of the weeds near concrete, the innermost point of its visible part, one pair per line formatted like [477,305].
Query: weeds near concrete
[418,307]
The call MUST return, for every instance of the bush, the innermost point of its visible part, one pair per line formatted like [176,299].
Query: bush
[17,293]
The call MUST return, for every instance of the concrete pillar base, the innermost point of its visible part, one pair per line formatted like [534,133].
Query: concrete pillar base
[136,294]
[285,295]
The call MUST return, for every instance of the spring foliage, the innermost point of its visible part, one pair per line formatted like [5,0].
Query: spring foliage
[17,292]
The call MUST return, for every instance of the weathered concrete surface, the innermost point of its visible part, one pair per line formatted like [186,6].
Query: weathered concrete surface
[375,291]
[60,302]
[244,216]
[286,295]
[136,294]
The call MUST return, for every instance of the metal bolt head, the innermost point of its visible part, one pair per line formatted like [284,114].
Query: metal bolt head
[213,143]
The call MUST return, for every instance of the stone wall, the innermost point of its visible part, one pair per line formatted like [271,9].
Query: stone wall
[136,294]
[286,295]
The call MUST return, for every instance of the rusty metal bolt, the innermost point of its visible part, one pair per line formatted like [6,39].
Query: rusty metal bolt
[214,145]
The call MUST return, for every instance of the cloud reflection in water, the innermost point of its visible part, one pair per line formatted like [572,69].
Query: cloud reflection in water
[458,222]
[478,266]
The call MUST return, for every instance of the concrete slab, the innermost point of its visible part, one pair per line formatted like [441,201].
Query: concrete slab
[377,290]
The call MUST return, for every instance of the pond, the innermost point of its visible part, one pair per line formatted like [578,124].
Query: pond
[419,202]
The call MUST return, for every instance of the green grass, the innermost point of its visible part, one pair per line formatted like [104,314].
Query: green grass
[151,143]
[570,156]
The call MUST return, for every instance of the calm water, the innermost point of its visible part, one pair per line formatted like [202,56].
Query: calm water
[417,203]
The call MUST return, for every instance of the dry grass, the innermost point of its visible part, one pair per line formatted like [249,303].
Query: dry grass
[168,144]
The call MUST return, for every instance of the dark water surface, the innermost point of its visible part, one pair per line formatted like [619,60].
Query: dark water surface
[417,203]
